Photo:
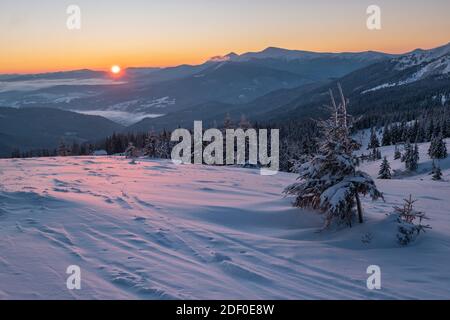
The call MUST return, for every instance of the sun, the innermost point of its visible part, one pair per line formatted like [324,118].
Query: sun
[115,69]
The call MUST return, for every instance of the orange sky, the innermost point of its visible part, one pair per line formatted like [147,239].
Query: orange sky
[34,37]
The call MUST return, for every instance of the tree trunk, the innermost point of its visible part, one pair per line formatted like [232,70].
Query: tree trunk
[358,206]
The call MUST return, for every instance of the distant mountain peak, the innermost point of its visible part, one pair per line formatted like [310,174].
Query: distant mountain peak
[274,49]
[227,57]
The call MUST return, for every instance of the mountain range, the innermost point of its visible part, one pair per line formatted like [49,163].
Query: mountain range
[271,85]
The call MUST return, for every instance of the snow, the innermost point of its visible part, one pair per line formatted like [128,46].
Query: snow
[420,56]
[122,117]
[434,62]
[155,230]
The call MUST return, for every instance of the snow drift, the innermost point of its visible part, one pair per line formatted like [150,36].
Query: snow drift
[154,230]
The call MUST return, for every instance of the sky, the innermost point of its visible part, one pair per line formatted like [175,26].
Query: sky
[34,36]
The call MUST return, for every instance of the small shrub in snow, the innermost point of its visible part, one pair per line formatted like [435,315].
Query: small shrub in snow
[437,172]
[409,222]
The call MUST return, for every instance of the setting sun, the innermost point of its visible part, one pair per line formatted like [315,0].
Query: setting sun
[115,69]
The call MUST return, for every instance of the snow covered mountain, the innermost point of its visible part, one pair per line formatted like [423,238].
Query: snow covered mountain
[419,65]
[154,230]
[155,92]
[385,85]
[286,54]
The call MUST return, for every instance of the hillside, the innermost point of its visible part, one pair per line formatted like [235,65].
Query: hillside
[158,231]
[36,128]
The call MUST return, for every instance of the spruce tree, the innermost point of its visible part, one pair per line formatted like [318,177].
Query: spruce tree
[227,122]
[130,151]
[244,124]
[150,144]
[411,157]
[63,150]
[373,143]
[397,153]
[329,181]
[385,170]
[430,130]
[387,140]
[406,151]
[438,148]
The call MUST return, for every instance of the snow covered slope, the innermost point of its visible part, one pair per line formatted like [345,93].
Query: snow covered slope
[154,230]
[418,65]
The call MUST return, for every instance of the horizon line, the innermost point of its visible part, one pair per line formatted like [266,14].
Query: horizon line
[105,69]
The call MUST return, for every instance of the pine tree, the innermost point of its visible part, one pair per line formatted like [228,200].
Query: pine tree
[131,151]
[375,154]
[438,148]
[15,153]
[63,150]
[430,130]
[150,144]
[397,153]
[406,151]
[416,154]
[373,143]
[406,216]
[411,157]
[385,170]
[387,140]
[420,137]
[227,122]
[244,124]
[330,182]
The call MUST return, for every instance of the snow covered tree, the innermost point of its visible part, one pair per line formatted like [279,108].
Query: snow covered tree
[406,216]
[397,153]
[63,149]
[437,172]
[329,182]
[227,122]
[387,140]
[416,157]
[385,170]
[407,150]
[411,157]
[420,136]
[430,130]
[150,144]
[438,148]
[244,124]
[163,146]
[376,154]
[131,151]
[373,143]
